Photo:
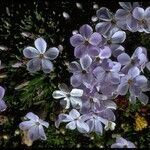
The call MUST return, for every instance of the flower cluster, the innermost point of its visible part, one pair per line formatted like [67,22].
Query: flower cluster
[104,71]
[130,17]
[101,72]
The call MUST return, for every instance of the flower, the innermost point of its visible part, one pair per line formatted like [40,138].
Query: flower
[140,122]
[122,143]
[143,18]
[81,71]
[138,59]
[86,42]
[108,72]
[2,103]
[132,81]
[124,17]
[67,96]
[95,123]
[40,58]
[108,21]
[75,121]
[34,126]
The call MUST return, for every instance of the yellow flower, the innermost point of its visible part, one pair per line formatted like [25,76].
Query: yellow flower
[140,122]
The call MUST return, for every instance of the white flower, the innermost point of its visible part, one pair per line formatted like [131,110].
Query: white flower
[68,96]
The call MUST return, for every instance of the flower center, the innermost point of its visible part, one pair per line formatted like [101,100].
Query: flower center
[68,95]
[83,71]
[109,42]
[37,123]
[98,59]
[86,42]
[113,21]
[41,56]
[130,81]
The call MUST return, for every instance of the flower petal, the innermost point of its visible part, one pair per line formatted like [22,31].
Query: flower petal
[47,66]
[118,37]
[98,126]
[82,127]
[44,123]
[141,80]
[58,94]
[104,14]
[32,116]
[86,31]
[77,40]
[33,133]
[30,52]
[103,27]
[51,53]
[105,52]
[124,59]
[41,45]
[74,114]
[25,125]
[133,72]
[64,88]
[71,125]
[79,51]
[126,5]
[76,80]
[143,98]
[123,89]
[2,105]
[76,102]
[42,135]
[148,66]
[76,92]
[147,14]
[95,39]
[2,92]
[74,67]
[138,13]
[85,62]
[121,14]
[116,49]
[34,65]
[117,145]
[99,73]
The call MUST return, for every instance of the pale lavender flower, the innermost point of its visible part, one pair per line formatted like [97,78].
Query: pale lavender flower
[68,96]
[40,58]
[2,102]
[104,53]
[107,21]
[108,72]
[95,123]
[34,127]
[143,18]
[113,39]
[75,121]
[86,42]
[133,82]
[123,143]
[124,17]
[81,71]
[95,102]
[138,59]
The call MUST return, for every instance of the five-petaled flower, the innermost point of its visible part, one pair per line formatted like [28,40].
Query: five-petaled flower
[34,126]
[40,58]
[122,143]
